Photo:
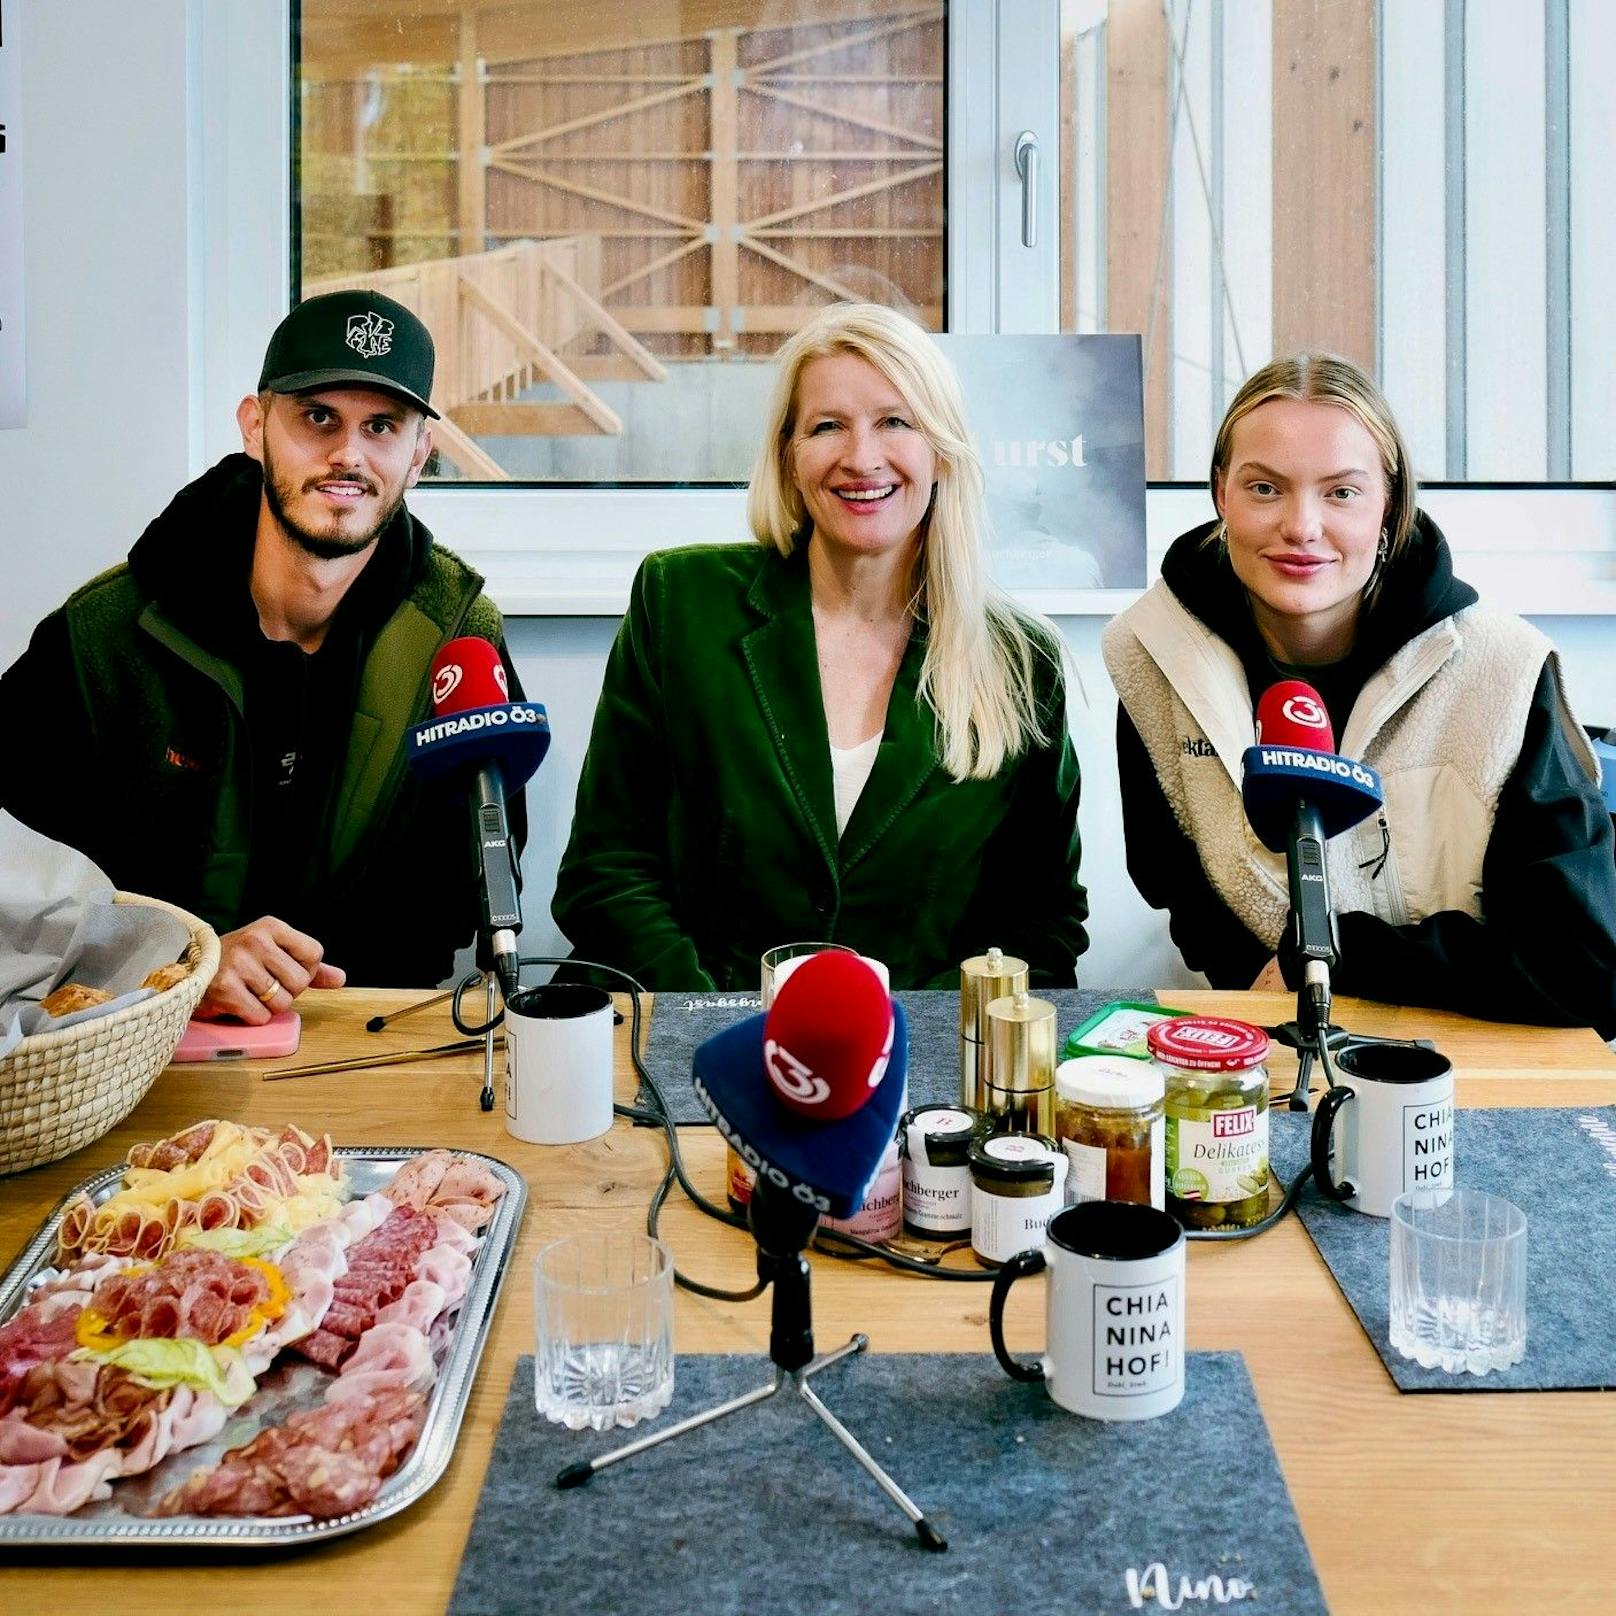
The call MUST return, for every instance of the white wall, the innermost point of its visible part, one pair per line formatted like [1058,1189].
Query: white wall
[115,365]
[106,270]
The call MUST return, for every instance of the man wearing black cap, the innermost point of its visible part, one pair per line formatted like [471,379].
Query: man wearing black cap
[220,720]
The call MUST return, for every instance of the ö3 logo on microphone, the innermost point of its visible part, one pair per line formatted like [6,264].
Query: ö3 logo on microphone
[446,681]
[794,1080]
[1306,711]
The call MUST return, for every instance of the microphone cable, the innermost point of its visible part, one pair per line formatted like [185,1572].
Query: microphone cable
[660,1117]
[825,1241]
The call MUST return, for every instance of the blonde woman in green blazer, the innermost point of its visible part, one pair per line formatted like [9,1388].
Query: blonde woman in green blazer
[843,733]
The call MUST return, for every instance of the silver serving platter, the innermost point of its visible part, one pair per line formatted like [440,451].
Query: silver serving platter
[289,1384]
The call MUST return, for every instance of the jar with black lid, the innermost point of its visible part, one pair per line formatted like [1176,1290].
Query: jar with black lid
[1018,1182]
[936,1144]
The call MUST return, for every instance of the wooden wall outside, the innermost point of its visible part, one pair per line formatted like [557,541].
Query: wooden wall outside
[736,178]
[1323,155]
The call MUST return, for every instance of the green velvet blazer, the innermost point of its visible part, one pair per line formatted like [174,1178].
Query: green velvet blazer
[705,827]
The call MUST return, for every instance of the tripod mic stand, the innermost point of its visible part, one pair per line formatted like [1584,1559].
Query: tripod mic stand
[782,1226]
[493,1014]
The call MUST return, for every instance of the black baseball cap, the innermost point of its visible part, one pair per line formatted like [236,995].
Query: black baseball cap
[353,337]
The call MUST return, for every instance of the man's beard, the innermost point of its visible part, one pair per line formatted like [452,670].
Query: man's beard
[325,546]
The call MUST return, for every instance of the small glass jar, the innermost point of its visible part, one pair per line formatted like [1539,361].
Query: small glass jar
[936,1145]
[1217,1119]
[1108,1120]
[1018,1182]
[881,1216]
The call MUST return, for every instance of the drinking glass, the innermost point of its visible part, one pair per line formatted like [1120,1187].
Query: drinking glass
[1458,1280]
[778,963]
[603,1324]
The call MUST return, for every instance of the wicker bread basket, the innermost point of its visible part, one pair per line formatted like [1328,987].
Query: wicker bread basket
[61,1090]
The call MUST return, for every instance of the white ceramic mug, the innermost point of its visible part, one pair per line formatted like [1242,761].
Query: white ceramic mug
[1395,1105]
[558,1064]
[1114,1306]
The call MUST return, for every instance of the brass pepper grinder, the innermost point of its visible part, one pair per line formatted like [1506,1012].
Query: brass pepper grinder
[1019,1089]
[983,978]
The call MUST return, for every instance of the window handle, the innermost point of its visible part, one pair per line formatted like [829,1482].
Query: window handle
[1027,168]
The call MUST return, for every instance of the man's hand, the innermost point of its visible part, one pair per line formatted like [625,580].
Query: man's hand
[262,968]
[1270,979]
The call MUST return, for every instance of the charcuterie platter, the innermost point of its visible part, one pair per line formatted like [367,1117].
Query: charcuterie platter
[246,1337]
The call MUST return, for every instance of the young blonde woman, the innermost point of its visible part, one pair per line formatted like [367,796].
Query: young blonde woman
[1487,884]
[843,732]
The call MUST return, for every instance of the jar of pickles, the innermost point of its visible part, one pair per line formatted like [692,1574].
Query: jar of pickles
[1217,1119]
[1108,1120]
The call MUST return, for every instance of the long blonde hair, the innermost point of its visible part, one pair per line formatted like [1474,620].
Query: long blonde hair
[979,671]
[1326,378]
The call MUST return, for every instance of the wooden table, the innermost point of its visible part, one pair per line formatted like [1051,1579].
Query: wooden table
[1473,1502]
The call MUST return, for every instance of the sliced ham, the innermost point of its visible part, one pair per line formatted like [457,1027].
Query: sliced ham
[423,1300]
[24,1444]
[56,1487]
[448,1268]
[400,1362]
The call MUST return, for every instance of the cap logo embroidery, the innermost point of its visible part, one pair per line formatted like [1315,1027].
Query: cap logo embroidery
[370,335]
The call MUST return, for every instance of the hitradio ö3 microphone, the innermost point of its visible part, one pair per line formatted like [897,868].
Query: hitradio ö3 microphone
[479,735]
[1298,792]
[809,1096]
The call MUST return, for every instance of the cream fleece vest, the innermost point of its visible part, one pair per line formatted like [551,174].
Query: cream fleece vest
[1442,721]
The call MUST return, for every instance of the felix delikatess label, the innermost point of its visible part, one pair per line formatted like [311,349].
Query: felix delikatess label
[1217,1155]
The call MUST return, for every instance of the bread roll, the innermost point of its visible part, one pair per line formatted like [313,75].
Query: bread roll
[73,996]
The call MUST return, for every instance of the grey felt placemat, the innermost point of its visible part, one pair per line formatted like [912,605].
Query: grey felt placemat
[1558,1167]
[681,1021]
[1043,1511]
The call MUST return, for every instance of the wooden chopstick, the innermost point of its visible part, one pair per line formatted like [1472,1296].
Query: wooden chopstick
[461,1046]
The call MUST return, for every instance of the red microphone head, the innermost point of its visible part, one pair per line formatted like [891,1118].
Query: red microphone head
[1292,714]
[828,1036]
[467,673]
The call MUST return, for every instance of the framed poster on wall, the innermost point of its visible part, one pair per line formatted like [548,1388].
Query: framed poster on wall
[13,346]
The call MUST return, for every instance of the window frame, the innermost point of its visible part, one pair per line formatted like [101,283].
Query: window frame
[572,551]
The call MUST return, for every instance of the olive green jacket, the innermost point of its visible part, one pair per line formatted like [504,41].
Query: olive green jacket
[705,828]
[141,756]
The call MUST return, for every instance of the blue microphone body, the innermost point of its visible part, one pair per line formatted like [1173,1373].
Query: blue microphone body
[514,734]
[1275,779]
[826,1167]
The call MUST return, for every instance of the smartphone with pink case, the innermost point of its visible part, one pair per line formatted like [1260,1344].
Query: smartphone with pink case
[235,1040]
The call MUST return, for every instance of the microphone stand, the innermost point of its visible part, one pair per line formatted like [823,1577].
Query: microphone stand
[493,1013]
[782,1227]
[1312,1034]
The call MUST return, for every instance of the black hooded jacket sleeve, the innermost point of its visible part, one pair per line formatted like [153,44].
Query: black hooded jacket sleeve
[1545,948]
